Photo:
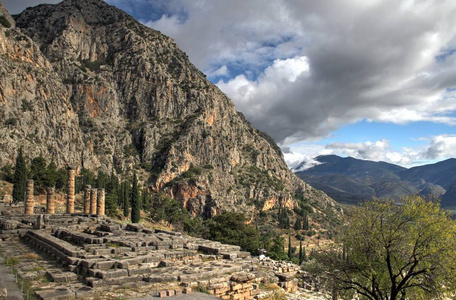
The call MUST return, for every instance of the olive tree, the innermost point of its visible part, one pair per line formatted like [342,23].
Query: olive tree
[396,251]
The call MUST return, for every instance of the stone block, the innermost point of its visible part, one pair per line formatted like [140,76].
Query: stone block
[104,265]
[160,278]
[112,274]
[242,277]
[56,293]
[139,271]
[229,255]
[187,290]
[162,294]
[62,276]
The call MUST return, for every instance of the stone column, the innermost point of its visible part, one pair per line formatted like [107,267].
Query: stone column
[39,222]
[93,201]
[50,200]
[101,202]
[87,199]
[29,199]
[70,195]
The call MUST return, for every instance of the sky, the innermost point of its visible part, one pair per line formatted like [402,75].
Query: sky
[371,79]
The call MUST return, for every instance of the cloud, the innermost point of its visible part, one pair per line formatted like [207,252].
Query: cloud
[388,61]
[376,151]
[434,148]
[222,71]
[442,146]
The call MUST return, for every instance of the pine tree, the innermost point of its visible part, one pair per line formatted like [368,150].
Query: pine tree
[20,178]
[135,205]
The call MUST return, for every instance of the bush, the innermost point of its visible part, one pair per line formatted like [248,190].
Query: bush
[4,22]
[231,228]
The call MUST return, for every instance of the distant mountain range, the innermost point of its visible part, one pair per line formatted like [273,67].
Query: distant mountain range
[350,180]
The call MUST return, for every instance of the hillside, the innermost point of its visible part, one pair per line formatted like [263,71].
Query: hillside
[350,180]
[85,85]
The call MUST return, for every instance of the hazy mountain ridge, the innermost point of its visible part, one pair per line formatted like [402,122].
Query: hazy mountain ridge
[86,85]
[351,180]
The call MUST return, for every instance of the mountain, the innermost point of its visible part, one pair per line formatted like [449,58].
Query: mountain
[449,198]
[350,180]
[87,86]
[442,173]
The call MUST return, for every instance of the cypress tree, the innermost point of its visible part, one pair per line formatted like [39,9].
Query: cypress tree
[135,205]
[126,202]
[289,246]
[305,222]
[20,178]
[297,225]
[304,255]
[301,257]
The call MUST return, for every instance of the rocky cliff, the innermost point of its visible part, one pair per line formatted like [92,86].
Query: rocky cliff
[86,85]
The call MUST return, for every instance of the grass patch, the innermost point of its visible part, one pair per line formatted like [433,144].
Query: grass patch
[11,261]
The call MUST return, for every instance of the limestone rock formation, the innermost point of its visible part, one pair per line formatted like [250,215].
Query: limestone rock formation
[86,85]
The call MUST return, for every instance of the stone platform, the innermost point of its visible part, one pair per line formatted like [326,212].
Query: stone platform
[92,254]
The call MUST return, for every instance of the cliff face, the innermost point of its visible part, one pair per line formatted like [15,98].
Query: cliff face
[88,86]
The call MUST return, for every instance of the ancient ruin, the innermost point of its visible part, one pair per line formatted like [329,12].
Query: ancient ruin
[70,195]
[50,201]
[93,201]
[29,199]
[87,199]
[101,202]
[91,252]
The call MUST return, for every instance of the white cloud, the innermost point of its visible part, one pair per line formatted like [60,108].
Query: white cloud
[222,71]
[376,151]
[277,77]
[435,148]
[442,146]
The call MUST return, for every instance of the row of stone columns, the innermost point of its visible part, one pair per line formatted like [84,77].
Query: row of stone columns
[94,199]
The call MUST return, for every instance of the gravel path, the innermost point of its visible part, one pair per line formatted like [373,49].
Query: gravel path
[8,281]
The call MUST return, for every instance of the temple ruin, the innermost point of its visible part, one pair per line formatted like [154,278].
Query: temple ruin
[29,199]
[70,191]
[50,200]
[92,254]
[93,201]
[87,199]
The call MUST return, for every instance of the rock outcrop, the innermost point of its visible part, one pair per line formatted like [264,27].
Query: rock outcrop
[87,86]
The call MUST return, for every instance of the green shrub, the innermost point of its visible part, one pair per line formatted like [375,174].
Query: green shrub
[4,22]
